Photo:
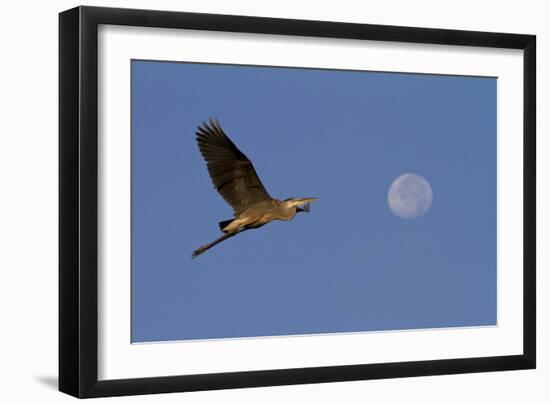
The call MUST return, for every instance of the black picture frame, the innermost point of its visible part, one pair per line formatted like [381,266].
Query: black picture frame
[78,201]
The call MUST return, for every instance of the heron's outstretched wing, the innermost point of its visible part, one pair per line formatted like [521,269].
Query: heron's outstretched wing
[232,173]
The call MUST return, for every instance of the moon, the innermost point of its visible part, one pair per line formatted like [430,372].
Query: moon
[410,196]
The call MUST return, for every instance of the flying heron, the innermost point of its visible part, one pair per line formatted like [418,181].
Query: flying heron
[235,178]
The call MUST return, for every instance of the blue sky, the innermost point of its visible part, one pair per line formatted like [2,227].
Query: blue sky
[342,136]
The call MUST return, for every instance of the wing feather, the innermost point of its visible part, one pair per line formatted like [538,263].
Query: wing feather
[231,172]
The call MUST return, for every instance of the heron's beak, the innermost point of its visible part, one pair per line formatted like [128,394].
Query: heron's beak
[303,201]
[304,204]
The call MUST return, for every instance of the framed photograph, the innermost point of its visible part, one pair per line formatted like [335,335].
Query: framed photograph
[252,201]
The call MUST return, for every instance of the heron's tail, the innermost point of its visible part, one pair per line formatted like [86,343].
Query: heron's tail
[206,247]
[223,224]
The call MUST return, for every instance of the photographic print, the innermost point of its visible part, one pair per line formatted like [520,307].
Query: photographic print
[249,201]
[277,201]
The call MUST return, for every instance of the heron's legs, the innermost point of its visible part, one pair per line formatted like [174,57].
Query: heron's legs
[206,247]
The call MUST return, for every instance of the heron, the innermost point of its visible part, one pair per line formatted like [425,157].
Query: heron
[236,180]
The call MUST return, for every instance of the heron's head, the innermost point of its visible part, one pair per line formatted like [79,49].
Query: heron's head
[301,204]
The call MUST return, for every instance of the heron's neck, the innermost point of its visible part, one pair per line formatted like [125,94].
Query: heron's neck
[289,204]
[289,208]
